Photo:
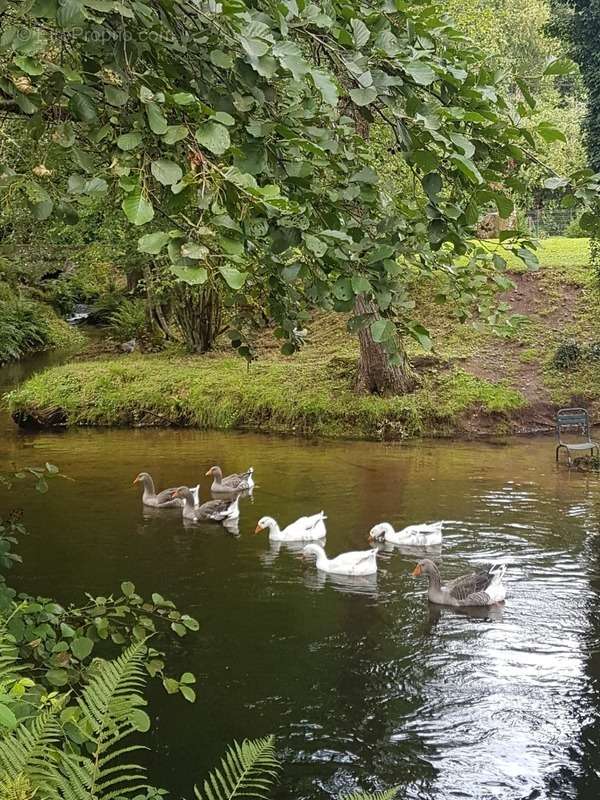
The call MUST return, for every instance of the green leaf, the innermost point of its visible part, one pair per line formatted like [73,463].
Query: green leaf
[8,718]
[361,34]
[233,277]
[555,183]
[221,59]
[64,134]
[128,588]
[137,208]
[153,243]
[194,251]
[214,137]
[550,133]
[156,120]
[326,85]
[420,72]
[193,276]
[175,133]
[360,285]
[29,65]
[382,330]
[83,107]
[432,184]
[422,336]
[560,66]
[115,96]
[140,720]
[57,677]
[70,14]
[468,168]
[166,172]
[187,677]
[224,118]
[529,258]
[362,96]
[171,685]
[81,647]
[188,693]
[129,141]
[179,629]
[291,58]
[315,245]
[184,98]
[465,145]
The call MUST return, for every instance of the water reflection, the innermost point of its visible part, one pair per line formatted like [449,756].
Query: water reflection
[363,682]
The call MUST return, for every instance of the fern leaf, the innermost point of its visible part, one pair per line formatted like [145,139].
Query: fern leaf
[386,794]
[247,769]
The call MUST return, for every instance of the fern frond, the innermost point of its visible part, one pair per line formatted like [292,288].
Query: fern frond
[26,749]
[108,705]
[247,770]
[386,794]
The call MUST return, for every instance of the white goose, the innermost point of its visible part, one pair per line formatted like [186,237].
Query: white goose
[422,535]
[303,529]
[359,562]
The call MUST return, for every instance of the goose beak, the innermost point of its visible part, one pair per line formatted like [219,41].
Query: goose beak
[208,473]
[258,529]
[174,493]
[134,481]
[416,571]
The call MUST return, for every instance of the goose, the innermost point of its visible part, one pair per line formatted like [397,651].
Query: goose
[422,535]
[483,588]
[303,529]
[236,482]
[164,499]
[359,562]
[215,510]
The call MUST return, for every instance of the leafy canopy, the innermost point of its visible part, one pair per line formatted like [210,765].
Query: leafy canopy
[234,135]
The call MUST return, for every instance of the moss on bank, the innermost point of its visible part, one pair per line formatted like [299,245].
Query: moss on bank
[273,395]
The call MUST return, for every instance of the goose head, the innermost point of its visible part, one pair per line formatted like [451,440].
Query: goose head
[142,477]
[184,493]
[425,567]
[215,472]
[265,523]
[378,532]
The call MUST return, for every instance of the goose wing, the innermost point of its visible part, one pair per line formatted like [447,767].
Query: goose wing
[214,509]
[166,498]
[238,480]
[355,559]
[469,585]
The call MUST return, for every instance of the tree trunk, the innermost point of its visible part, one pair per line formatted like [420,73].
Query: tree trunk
[375,373]
[198,312]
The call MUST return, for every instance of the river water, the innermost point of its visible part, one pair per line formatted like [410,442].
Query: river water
[362,682]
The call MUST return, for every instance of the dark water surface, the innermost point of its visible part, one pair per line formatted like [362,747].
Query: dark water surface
[362,682]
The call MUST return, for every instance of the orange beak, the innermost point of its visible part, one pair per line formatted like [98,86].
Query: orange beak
[258,529]
[135,480]
[416,571]
[175,493]
[208,473]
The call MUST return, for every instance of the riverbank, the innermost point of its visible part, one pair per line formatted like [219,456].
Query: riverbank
[474,383]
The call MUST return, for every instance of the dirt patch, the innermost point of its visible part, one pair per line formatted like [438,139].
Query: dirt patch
[548,309]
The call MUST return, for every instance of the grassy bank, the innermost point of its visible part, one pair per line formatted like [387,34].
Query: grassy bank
[475,383]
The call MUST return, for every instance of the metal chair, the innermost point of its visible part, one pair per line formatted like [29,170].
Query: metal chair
[576,422]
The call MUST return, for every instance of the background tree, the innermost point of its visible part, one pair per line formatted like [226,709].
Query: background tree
[230,132]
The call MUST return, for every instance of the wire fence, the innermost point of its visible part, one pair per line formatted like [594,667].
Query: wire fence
[553,221]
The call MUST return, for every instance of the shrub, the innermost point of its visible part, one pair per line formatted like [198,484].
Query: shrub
[593,352]
[567,356]
[22,329]
[129,321]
